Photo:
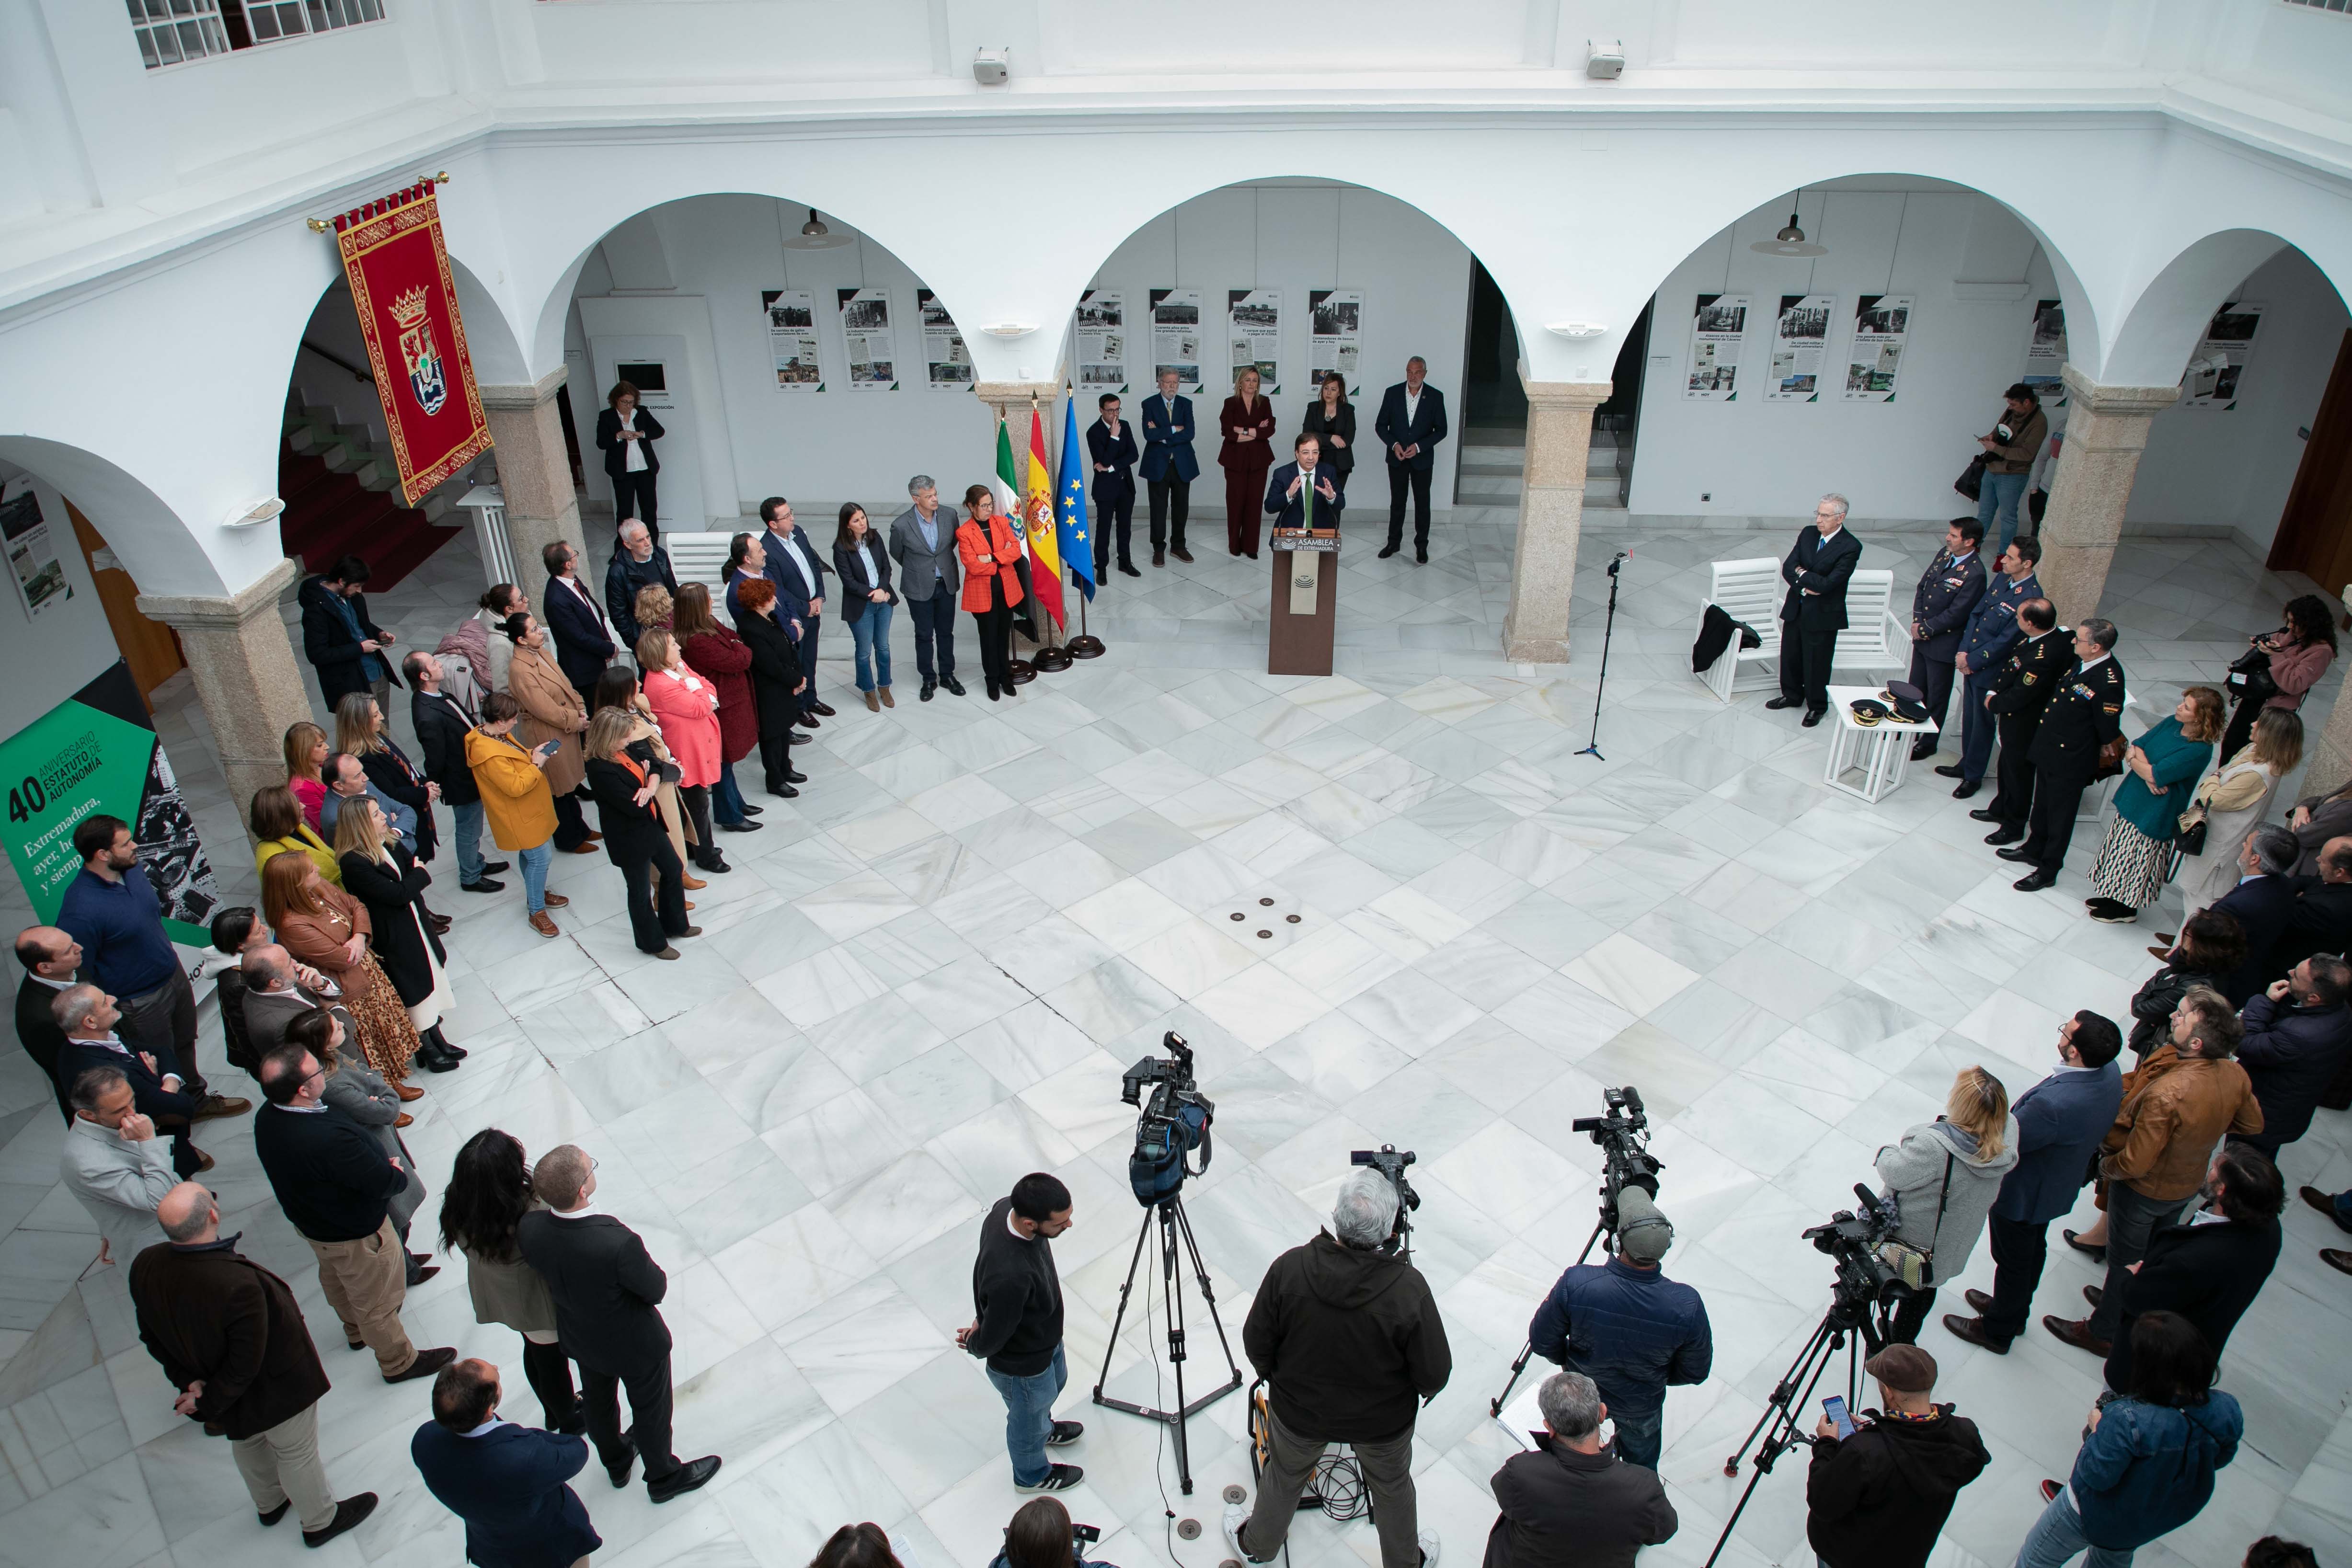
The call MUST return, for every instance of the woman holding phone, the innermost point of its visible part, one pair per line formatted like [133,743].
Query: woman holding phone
[517,802]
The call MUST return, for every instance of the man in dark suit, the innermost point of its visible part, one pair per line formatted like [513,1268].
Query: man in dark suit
[2060,1122]
[1412,423]
[86,1016]
[1303,494]
[443,721]
[342,644]
[922,541]
[608,1293]
[50,958]
[2018,695]
[507,1481]
[639,563]
[2321,921]
[584,641]
[2298,1034]
[1813,613]
[2210,1268]
[2262,904]
[230,1337]
[2083,715]
[799,576]
[1992,631]
[1169,466]
[1111,445]
[1947,590]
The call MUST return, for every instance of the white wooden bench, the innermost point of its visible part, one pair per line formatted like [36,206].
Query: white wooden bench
[1751,590]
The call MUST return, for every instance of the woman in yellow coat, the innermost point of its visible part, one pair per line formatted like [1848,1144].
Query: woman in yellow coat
[279,829]
[517,804]
[551,710]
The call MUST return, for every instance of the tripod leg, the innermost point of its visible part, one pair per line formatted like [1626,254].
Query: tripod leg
[1208,1292]
[1783,1392]
[1495,1406]
[1171,1281]
[1120,1316]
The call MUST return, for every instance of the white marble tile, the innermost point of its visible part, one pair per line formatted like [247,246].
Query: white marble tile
[1634,977]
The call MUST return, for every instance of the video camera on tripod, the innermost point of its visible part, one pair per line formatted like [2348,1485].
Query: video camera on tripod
[1391,1163]
[1622,1133]
[1851,1238]
[1174,1122]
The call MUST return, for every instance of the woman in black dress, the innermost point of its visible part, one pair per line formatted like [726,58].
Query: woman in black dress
[383,875]
[776,680]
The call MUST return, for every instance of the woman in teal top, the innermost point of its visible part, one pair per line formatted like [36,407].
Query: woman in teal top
[2160,774]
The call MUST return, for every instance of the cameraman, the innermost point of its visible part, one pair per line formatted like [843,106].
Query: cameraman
[1879,1498]
[1016,1326]
[1628,1328]
[1040,1536]
[1346,1333]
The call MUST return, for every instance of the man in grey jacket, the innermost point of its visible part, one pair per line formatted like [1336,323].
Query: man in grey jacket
[116,1165]
[922,541]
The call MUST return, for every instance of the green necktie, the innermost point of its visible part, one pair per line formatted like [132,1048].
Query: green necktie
[1309,514]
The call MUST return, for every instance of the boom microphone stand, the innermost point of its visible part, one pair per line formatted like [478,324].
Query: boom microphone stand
[1592,747]
[1175,1226]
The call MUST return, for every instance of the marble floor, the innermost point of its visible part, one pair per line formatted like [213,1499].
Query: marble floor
[925,977]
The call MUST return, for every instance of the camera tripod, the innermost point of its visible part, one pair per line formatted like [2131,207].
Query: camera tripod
[1528,1350]
[1175,1226]
[1840,1328]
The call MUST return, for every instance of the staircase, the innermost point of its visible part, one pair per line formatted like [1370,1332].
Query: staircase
[343,498]
[1494,469]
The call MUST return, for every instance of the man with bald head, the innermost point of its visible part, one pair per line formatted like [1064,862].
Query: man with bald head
[608,1293]
[229,1335]
[2321,918]
[50,957]
[278,991]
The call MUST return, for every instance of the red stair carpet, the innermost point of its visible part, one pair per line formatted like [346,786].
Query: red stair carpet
[329,515]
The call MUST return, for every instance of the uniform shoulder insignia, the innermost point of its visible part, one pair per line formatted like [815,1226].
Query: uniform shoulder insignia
[2028,677]
[2111,707]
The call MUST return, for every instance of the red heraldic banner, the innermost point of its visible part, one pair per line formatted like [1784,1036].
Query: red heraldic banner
[408,304]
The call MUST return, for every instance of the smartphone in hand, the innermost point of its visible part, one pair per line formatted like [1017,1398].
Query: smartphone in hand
[551,747]
[1834,1408]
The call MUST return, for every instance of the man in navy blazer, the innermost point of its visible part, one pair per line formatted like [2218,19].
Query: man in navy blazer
[799,576]
[2262,904]
[1303,495]
[1110,443]
[1817,571]
[1412,423]
[584,643]
[2060,1122]
[1169,466]
[506,1481]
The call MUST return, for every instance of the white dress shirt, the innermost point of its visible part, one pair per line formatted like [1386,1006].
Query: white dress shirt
[635,460]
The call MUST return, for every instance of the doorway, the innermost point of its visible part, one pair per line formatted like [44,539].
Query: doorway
[2314,531]
[150,648]
[1491,396]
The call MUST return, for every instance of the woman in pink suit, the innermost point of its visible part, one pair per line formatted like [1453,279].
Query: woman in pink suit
[685,706]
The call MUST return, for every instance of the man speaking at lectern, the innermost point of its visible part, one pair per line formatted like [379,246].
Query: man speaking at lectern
[1303,495]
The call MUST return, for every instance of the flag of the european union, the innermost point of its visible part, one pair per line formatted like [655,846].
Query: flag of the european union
[1071,529]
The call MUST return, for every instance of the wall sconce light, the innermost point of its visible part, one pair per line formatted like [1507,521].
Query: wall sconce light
[1010,328]
[1576,328]
[260,512]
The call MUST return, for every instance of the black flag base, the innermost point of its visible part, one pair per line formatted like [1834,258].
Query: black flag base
[1051,660]
[1022,671]
[1085,645]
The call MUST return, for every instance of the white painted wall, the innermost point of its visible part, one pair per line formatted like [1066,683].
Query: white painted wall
[1894,459]
[841,444]
[70,645]
[2234,468]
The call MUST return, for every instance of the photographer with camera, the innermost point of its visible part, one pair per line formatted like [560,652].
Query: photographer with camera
[1568,1502]
[1628,1327]
[1878,1496]
[1942,1178]
[1345,1332]
[1042,1536]
[1016,1328]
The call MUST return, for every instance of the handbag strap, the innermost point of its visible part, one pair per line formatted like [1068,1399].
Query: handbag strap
[1941,1199]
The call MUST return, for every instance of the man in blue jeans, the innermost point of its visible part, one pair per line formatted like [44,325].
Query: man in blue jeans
[2015,440]
[1016,1327]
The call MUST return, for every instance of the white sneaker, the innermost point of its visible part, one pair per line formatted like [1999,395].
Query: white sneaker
[1237,1515]
[1429,1548]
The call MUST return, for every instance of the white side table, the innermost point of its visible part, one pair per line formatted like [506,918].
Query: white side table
[1881,753]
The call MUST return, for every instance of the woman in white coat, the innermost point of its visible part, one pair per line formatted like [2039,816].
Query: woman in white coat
[2235,796]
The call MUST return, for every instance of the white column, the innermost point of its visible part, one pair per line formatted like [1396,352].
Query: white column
[1552,517]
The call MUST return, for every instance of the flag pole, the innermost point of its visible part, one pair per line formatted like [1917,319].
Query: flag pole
[1085,645]
[1020,671]
[1052,657]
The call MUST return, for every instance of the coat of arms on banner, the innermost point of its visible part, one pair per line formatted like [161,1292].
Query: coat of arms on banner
[418,351]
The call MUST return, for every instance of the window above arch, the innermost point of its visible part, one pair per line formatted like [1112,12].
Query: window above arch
[179,32]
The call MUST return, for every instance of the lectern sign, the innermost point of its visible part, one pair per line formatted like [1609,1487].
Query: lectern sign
[407,306]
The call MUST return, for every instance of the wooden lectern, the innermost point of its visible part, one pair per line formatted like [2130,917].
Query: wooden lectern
[1305,602]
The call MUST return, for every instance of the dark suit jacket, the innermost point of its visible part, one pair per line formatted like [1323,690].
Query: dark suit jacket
[793,594]
[2291,1054]
[442,724]
[775,671]
[508,1485]
[37,1031]
[1425,430]
[148,1095]
[1119,456]
[1947,593]
[399,777]
[329,647]
[860,574]
[584,639]
[616,450]
[2026,681]
[2060,1122]
[2262,908]
[628,828]
[2321,921]
[1167,433]
[2210,1274]
[607,1289]
[1824,568]
[1342,459]
[1290,511]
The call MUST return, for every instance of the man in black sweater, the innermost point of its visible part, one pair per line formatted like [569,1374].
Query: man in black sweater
[336,1184]
[608,1293]
[1568,1502]
[1016,1326]
[1346,1333]
[1878,1498]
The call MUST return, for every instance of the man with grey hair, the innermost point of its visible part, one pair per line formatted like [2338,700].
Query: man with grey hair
[1568,1502]
[922,541]
[1813,613]
[1345,1332]
[637,563]
[2262,904]
[88,1016]
[114,1165]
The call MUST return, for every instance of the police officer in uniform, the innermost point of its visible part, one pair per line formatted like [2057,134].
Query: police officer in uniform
[2022,689]
[1992,632]
[1951,588]
[2085,713]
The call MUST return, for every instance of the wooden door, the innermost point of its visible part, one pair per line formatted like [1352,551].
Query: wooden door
[151,648]
[2314,532]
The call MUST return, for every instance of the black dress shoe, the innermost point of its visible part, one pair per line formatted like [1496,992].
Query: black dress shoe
[1778,703]
[745,826]
[2096,1252]
[2077,1332]
[1388,551]
[686,1478]
[800,738]
[2093,1294]
[619,1474]
[1922,750]
[994,694]
[807,720]
[1159,557]
[492,868]
[794,776]
[1985,814]
[931,689]
[1127,568]
[950,684]
[1420,555]
[2324,1202]
[485,885]
[821,709]
[1966,789]
[2013,853]
[2036,882]
[349,1512]
[1951,770]
[716,865]
[1812,717]
[441,924]
[2004,834]
[275,1514]
[787,792]
[751,811]
[1180,553]
[1972,1330]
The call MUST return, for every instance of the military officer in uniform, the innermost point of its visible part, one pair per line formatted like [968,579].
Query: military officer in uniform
[2022,690]
[2085,714]
[1992,632]
[1951,588]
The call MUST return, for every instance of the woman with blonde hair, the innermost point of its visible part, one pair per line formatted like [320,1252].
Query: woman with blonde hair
[1943,1177]
[686,708]
[279,829]
[634,834]
[2232,800]
[2158,769]
[360,730]
[306,754]
[1245,454]
[328,929]
[654,609]
[618,687]
[379,871]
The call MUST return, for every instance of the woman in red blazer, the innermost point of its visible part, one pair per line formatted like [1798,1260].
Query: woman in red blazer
[1247,422]
[717,654]
[988,547]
